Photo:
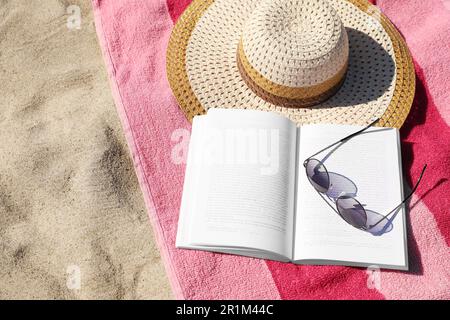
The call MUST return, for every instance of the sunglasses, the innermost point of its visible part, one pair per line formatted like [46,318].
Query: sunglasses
[349,209]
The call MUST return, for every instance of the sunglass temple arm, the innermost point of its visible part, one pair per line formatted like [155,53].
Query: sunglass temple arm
[345,139]
[406,199]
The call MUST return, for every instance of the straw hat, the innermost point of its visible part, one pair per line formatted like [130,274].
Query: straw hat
[327,61]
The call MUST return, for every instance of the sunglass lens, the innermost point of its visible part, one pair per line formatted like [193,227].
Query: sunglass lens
[352,212]
[317,175]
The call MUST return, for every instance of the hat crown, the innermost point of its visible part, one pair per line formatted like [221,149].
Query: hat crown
[296,43]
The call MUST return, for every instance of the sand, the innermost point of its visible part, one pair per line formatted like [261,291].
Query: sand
[72,219]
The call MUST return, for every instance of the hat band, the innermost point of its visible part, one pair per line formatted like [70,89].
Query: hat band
[283,95]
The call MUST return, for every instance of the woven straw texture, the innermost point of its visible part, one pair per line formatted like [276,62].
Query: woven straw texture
[203,68]
[295,43]
[289,96]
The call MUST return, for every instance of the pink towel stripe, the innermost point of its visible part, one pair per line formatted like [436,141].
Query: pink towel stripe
[101,11]
[176,8]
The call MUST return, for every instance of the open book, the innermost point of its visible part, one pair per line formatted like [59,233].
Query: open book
[246,191]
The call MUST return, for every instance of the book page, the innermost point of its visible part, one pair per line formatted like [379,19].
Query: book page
[182,239]
[243,193]
[367,167]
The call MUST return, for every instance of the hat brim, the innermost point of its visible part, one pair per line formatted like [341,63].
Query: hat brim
[398,103]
